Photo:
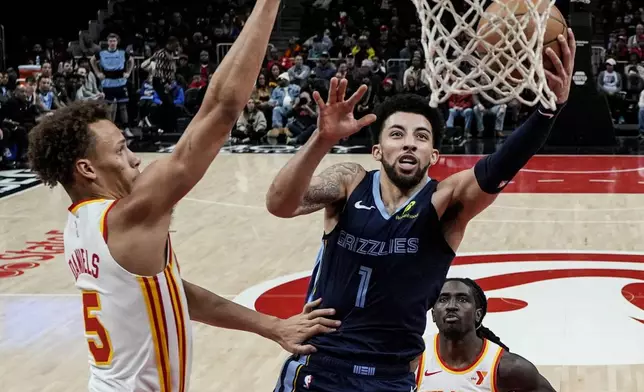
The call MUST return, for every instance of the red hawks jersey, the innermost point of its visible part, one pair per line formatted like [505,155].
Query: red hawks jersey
[137,328]
[433,375]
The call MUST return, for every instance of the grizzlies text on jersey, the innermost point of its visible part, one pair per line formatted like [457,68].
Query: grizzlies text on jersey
[381,273]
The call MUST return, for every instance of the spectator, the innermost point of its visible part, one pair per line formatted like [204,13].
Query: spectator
[282,99]
[410,49]
[4,88]
[205,67]
[483,107]
[634,63]
[363,51]
[633,40]
[86,47]
[324,69]
[387,91]
[64,94]
[46,100]
[148,102]
[300,71]
[415,71]
[319,45]
[17,116]
[610,81]
[87,91]
[45,70]
[460,106]
[293,49]
[113,67]
[276,71]
[251,125]
[185,71]
[304,121]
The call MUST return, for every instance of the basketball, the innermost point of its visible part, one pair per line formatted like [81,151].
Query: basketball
[555,25]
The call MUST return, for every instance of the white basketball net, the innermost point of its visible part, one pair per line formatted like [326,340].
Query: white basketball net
[500,72]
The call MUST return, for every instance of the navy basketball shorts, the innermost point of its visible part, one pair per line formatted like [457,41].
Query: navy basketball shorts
[319,373]
[116,94]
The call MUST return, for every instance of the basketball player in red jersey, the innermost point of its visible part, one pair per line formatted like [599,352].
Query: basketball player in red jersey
[465,355]
[137,309]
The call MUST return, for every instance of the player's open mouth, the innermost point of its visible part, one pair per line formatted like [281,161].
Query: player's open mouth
[407,162]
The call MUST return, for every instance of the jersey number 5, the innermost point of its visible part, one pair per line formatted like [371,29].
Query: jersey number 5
[98,339]
[365,277]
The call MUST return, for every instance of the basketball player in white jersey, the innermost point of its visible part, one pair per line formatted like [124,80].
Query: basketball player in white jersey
[136,308]
[465,355]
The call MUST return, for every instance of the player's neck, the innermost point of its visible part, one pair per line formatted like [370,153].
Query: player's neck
[79,195]
[459,353]
[392,196]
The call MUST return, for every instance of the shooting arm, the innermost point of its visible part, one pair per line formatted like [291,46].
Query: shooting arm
[516,374]
[209,308]
[475,189]
[165,182]
[295,191]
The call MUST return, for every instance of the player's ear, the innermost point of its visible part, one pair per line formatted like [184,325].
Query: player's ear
[376,151]
[478,315]
[85,169]
[434,158]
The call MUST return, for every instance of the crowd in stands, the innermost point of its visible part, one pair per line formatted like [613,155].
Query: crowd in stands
[176,52]
[622,76]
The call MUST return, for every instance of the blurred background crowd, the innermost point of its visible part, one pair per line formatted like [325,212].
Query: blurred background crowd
[376,43]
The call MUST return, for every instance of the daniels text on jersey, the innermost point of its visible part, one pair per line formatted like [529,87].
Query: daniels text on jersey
[81,263]
[368,247]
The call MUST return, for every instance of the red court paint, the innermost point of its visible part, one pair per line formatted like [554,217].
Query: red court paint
[562,174]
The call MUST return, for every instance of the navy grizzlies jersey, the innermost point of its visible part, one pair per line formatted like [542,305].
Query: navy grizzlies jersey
[382,274]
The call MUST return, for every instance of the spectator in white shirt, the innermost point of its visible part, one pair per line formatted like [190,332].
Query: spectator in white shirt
[609,80]
[633,39]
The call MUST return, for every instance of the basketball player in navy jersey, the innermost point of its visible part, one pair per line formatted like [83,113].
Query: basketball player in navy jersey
[467,356]
[390,234]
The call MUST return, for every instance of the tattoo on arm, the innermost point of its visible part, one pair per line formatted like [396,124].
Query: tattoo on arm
[329,186]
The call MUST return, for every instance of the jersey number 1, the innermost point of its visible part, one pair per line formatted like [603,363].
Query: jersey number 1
[98,339]
[365,277]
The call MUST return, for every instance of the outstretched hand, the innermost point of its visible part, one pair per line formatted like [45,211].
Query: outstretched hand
[560,81]
[294,331]
[335,120]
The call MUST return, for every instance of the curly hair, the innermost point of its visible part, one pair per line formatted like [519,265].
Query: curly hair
[61,139]
[408,103]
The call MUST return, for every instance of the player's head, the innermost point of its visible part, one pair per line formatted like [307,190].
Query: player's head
[407,134]
[79,148]
[112,42]
[460,310]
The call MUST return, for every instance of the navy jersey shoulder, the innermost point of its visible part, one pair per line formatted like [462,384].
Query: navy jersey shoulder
[381,272]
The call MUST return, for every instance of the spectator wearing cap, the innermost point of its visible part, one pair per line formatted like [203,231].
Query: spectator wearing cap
[282,99]
[387,90]
[363,50]
[299,72]
[610,81]
[324,68]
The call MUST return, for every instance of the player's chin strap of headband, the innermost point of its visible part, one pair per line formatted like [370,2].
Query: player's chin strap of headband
[496,170]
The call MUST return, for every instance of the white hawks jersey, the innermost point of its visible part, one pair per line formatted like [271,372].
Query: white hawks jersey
[137,328]
[434,375]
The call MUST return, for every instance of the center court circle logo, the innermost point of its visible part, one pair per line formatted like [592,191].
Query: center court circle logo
[565,309]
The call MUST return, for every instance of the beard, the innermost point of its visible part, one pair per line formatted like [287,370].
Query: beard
[405,182]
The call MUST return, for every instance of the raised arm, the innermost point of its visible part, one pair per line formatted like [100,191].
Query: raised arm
[295,191]
[517,374]
[471,191]
[211,309]
[169,179]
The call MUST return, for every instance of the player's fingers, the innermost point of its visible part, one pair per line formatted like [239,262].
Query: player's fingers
[318,99]
[321,313]
[565,52]
[553,78]
[308,308]
[556,61]
[326,322]
[304,350]
[367,120]
[333,91]
[342,89]
[572,45]
[319,329]
[357,96]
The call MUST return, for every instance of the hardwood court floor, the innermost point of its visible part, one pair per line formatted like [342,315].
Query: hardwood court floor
[560,254]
